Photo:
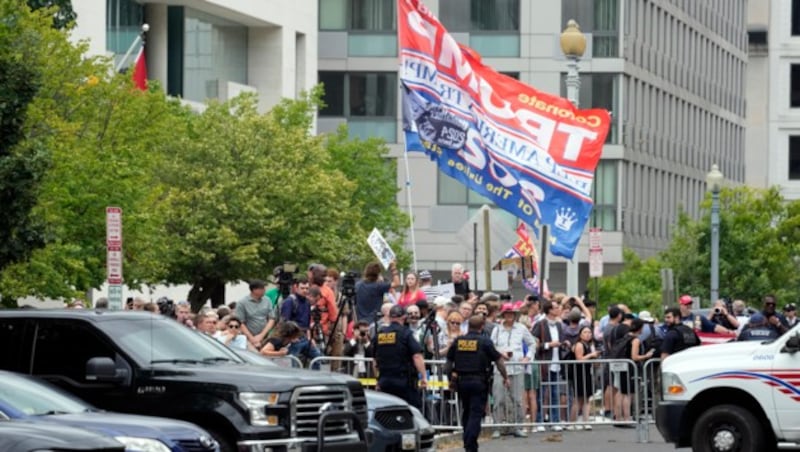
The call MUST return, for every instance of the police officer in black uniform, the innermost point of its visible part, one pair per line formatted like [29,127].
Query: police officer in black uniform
[469,366]
[398,359]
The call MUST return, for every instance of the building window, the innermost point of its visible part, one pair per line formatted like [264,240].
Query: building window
[604,194]
[795,17]
[357,15]
[794,98]
[215,52]
[598,90]
[600,18]
[493,25]
[794,157]
[124,20]
[452,192]
[367,99]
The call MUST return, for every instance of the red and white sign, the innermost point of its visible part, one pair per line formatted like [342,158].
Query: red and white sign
[595,241]
[595,264]
[113,226]
[114,265]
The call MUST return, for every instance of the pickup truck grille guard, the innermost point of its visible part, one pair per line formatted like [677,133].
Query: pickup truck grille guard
[309,402]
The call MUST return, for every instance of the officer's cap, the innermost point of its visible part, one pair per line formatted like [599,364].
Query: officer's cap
[397,311]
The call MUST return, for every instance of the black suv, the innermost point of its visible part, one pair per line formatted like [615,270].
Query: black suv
[137,362]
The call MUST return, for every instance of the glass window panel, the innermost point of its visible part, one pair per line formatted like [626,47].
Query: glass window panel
[454,15]
[373,94]
[333,14]
[373,128]
[794,82]
[215,52]
[794,157]
[499,215]
[494,15]
[124,19]
[579,10]
[373,15]
[494,45]
[450,190]
[475,199]
[605,42]
[795,17]
[333,83]
[372,45]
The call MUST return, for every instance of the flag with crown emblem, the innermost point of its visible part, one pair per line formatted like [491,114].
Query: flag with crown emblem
[531,153]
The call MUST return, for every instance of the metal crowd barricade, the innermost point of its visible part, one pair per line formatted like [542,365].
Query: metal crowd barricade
[569,394]
[359,367]
[651,395]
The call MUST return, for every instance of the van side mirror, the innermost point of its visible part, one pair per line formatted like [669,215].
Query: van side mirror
[102,368]
[792,345]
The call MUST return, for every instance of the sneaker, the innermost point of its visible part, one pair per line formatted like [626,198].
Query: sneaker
[578,427]
[496,434]
[569,428]
[540,428]
[520,434]
[557,428]
[587,427]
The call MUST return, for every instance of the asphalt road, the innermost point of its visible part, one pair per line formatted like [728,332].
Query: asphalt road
[602,438]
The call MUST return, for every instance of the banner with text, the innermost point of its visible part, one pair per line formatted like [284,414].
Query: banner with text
[531,153]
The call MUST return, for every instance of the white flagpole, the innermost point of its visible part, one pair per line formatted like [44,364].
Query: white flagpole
[410,211]
[139,38]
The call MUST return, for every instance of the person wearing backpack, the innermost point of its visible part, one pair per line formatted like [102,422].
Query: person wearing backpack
[628,347]
[679,336]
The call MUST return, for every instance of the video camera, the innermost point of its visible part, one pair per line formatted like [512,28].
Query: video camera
[349,285]
[166,307]
[284,278]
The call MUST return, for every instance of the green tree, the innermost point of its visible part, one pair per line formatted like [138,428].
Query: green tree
[63,15]
[249,191]
[638,285]
[758,247]
[367,164]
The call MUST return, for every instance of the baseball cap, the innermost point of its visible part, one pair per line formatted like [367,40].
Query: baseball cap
[440,301]
[757,318]
[397,311]
[425,274]
[646,317]
[685,299]
[574,315]
[508,307]
[789,307]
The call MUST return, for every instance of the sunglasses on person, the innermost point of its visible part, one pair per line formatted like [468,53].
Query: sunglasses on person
[233,325]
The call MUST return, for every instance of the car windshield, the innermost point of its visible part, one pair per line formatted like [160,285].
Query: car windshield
[35,399]
[162,340]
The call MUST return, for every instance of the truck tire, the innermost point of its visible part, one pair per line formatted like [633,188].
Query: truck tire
[728,428]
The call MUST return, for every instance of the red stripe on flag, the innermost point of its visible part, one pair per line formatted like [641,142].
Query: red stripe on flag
[140,72]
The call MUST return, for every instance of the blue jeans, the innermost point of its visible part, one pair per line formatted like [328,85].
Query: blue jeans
[304,350]
[552,383]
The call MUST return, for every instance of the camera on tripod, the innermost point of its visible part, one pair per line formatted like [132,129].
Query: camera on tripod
[284,278]
[349,285]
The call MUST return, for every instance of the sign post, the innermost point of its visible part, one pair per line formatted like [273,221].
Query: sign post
[595,258]
[114,256]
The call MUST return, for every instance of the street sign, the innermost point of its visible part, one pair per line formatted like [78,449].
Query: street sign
[115,296]
[113,226]
[595,242]
[114,265]
[595,264]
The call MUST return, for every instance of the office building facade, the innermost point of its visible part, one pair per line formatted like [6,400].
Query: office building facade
[672,73]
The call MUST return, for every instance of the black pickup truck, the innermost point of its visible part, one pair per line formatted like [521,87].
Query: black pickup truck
[137,362]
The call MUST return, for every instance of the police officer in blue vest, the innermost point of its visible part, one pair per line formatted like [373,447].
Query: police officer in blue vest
[469,366]
[398,359]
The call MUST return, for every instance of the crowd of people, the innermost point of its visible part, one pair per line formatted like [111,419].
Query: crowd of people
[548,344]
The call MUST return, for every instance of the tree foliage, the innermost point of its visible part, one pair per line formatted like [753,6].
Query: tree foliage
[759,253]
[249,192]
[367,163]
[62,12]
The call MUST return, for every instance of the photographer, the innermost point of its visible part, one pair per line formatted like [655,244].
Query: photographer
[720,315]
[360,346]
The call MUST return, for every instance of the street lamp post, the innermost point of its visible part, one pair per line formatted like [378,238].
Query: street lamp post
[573,45]
[714,183]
